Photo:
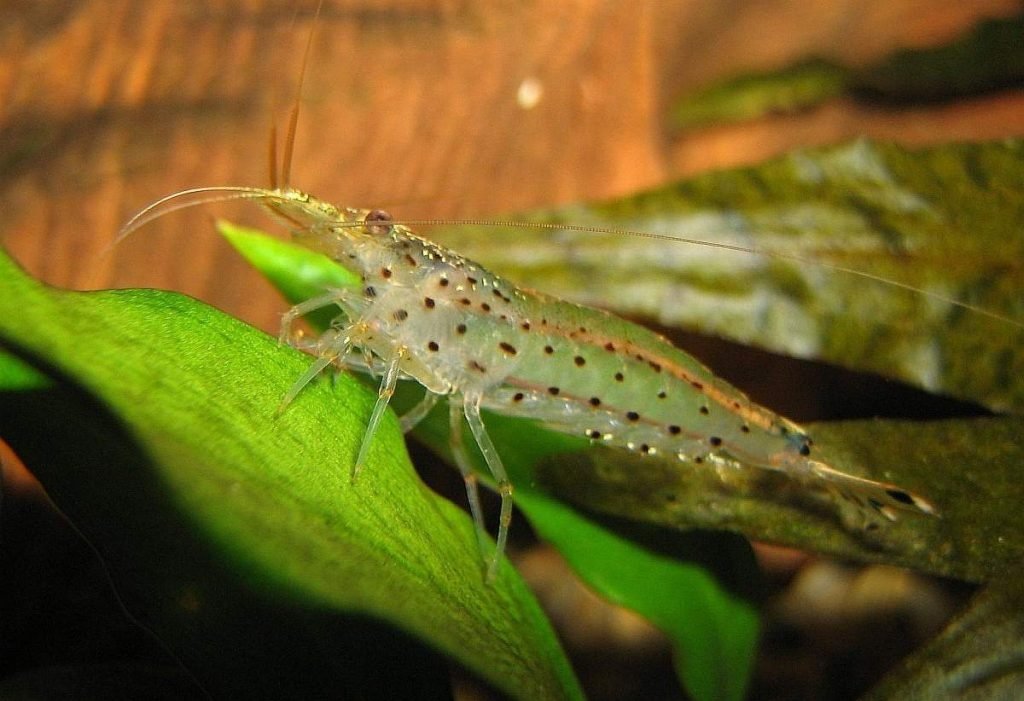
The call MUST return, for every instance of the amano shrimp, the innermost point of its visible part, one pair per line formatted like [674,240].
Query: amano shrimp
[427,314]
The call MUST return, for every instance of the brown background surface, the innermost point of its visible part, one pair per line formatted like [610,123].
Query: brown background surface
[106,105]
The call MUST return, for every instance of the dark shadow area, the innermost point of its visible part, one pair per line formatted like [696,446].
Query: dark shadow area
[807,390]
[62,626]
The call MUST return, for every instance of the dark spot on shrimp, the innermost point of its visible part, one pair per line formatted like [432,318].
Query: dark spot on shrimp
[486,307]
[644,448]
[662,394]
[610,347]
[619,377]
[900,496]
[698,460]
[400,315]
[518,397]
[553,391]
[460,329]
[385,273]
[465,301]
[805,450]
[429,302]
[471,280]
[583,329]
[704,410]
[632,416]
[508,348]
[410,260]
[549,350]
[525,326]
[654,366]
[580,361]
[443,282]
[432,346]
[675,430]
[370,291]
[474,365]
[697,385]
[715,441]
[744,428]
[593,434]
[595,401]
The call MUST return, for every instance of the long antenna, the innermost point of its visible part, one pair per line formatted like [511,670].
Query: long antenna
[753,250]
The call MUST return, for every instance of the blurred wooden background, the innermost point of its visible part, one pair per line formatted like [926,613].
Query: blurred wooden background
[106,105]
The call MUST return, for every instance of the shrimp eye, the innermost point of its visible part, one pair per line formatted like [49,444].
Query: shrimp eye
[374,216]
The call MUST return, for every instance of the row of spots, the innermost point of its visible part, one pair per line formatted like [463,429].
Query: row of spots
[579,361]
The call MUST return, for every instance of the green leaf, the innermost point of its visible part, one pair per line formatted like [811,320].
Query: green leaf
[946,220]
[794,88]
[970,468]
[714,630]
[235,534]
[989,57]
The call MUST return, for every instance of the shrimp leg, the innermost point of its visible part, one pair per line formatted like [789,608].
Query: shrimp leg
[458,448]
[411,418]
[471,408]
[348,301]
[387,390]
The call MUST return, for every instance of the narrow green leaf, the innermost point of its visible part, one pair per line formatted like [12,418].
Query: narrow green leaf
[218,517]
[714,632]
[791,89]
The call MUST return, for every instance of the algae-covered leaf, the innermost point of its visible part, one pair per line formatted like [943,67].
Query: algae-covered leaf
[947,221]
[980,655]
[969,468]
[235,534]
[791,89]
[989,57]
[714,629]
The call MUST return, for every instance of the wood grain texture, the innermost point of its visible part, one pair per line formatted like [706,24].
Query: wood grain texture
[106,105]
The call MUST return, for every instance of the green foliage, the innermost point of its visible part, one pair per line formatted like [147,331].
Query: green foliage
[236,534]
[989,57]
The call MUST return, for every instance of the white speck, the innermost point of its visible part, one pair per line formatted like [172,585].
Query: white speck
[530,92]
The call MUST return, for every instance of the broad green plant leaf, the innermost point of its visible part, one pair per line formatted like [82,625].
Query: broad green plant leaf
[713,628]
[150,420]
